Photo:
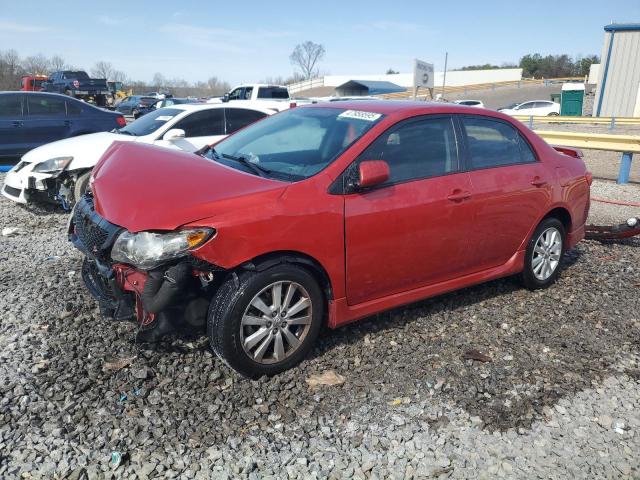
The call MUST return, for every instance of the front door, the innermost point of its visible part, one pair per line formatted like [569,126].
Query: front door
[12,137]
[412,231]
[201,128]
[46,120]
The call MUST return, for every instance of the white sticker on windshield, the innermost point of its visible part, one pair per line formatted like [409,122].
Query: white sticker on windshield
[360,115]
[164,118]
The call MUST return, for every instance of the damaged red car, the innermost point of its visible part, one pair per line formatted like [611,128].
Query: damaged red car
[323,215]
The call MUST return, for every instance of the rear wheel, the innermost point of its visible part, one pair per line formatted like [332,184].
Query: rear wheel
[544,254]
[266,322]
[553,114]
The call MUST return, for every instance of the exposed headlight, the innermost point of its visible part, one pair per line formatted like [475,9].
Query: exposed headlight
[147,250]
[53,165]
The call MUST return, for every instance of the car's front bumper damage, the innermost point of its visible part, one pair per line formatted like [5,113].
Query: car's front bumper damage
[22,185]
[177,293]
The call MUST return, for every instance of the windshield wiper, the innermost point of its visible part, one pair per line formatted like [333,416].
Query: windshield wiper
[257,169]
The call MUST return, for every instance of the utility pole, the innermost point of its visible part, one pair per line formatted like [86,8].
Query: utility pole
[444,78]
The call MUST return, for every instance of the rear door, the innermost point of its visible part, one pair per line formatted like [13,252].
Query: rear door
[46,119]
[412,231]
[237,118]
[511,188]
[12,133]
[200,128]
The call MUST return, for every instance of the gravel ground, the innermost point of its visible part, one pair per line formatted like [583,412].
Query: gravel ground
[560,397]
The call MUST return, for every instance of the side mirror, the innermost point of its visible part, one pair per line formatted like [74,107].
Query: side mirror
[225,99]
[372,173]
[173,135]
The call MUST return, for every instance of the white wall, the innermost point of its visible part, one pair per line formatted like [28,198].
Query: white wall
[455,78]
[594,73]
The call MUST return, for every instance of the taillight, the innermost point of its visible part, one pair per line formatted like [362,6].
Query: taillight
[293,105]
[589,177]
[121,121]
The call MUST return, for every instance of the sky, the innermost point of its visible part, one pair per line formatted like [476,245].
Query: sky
[252,40]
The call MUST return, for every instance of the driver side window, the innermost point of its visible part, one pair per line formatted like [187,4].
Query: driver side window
[417,149]
[235,94]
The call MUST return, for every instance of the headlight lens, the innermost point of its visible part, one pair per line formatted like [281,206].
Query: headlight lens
[147,250]
[53,165]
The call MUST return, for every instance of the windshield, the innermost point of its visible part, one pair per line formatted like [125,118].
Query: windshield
[296,143]
[150,122]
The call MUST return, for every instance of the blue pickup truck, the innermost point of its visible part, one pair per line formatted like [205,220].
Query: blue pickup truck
[77,84]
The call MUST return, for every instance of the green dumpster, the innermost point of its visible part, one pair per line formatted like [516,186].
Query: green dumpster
[572,99]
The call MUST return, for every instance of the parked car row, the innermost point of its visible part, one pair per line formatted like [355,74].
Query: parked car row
[59,171]
[31,119]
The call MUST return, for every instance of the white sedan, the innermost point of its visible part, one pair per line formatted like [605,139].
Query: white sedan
[536,108]
[470,103]
[59,171]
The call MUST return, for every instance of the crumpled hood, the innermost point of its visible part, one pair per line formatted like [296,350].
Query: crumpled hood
[86,150]
[143,187]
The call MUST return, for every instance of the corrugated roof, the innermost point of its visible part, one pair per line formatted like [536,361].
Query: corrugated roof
[375,87]
[621,27]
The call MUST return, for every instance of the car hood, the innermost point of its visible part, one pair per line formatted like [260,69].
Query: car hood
[86,150]
[144,187]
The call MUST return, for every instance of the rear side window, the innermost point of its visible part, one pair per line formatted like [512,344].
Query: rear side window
[203,124]
[238,118]
[495,144]
[10,106]
[273,92]
[46,105]
[418,149]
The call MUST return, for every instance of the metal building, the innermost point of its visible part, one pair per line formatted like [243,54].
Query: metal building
[618,92]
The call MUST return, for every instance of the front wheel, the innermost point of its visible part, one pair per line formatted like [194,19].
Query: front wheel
[544,254]
[263,323]
[80,187]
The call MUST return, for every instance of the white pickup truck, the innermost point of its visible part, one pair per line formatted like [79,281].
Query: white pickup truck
[262,95]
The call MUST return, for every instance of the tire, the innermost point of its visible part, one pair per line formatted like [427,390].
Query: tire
[229,334]
[553,114]
[82,182]
[540,258]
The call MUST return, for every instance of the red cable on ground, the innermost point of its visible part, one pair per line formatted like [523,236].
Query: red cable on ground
[615,202]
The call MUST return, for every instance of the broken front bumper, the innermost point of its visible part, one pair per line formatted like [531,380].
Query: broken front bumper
[180,289]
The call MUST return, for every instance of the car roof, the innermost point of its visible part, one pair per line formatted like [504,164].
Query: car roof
[388,107]
[192,107]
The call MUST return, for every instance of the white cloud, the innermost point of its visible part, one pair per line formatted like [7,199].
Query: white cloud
[13,27]
[108,20]
[222,39]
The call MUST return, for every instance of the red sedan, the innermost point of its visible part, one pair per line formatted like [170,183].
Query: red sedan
[324,214]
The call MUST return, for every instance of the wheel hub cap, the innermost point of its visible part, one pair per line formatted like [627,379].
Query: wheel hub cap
[276,322]
[546,253]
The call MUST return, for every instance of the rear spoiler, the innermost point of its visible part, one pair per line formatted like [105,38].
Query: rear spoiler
[569,151]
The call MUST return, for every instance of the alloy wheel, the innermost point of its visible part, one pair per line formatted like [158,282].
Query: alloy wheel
[546,253]
[276,322]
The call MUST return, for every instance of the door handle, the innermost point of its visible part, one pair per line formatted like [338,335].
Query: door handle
[17,123]
[459,195]
[538,182]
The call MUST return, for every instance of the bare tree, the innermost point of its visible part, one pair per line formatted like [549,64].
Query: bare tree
[306,56]
[37,64]
[102,69]
[58,63]
[159,80]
